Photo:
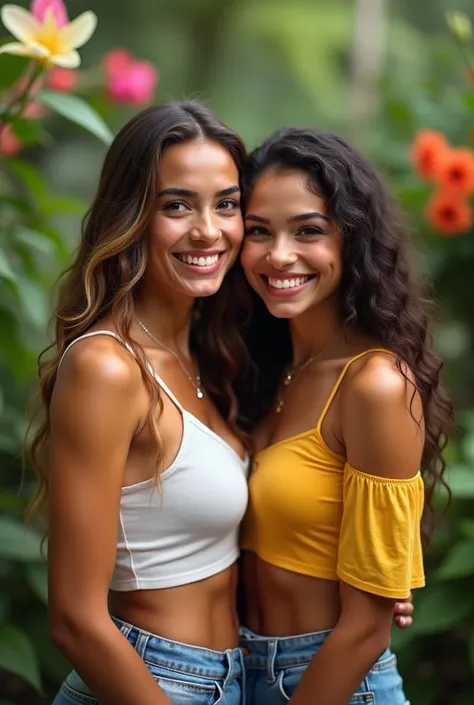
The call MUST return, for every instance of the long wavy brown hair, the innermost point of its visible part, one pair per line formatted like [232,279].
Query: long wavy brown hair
[380,295]
[111,260]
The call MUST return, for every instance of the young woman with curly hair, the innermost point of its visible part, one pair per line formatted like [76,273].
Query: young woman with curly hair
[351,420]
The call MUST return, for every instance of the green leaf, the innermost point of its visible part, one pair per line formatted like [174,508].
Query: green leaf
[35,240]
[461,481]
[78,111]
[470,649]
[18,656]
[468,100]
[30,177]
[64,204]
[17,542]
[37,578]
[442,607]
[6,272]
[11,68]
[34,300]
[459,562]
[27,131]
[466,527]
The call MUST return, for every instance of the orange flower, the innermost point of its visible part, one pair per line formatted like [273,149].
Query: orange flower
[426,150]
[455,171]
[449,214]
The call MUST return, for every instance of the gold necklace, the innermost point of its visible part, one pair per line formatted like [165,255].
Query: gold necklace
[291,374]
[197,385]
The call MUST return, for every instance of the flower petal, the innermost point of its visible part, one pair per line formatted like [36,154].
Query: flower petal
[70,60]
[78,32]
[17,49]
[20,23]
[39,51]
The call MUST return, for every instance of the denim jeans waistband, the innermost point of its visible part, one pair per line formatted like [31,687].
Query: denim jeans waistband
[272,653]
[186,658]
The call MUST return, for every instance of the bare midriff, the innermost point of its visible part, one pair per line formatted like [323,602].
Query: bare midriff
[201,613]
[281,603]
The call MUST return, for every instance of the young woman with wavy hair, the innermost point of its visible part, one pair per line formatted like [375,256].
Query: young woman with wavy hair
[139,459]
[351,421]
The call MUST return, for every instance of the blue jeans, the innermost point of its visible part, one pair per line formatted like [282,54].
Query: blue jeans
[189,675]
[275,666]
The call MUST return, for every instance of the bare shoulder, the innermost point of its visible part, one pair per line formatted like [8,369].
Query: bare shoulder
[101,362]
[382,418]
[377,382]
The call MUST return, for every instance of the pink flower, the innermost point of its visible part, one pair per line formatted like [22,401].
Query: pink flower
[127,80]
[64,80]
[39,7]
[9,142]
[117,61]
[34,111]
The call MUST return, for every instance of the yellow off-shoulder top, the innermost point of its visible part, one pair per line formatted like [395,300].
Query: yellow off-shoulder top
[311,512]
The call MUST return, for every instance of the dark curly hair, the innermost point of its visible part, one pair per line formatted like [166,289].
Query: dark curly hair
[380,294]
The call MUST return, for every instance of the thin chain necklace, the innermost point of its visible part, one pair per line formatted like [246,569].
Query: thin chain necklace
[196,384]
[293,371]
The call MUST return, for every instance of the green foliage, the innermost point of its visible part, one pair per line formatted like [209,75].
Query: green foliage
[261,64]
[76,110]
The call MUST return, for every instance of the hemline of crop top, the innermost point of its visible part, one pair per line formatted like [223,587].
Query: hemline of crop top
[332,521]
[186,529]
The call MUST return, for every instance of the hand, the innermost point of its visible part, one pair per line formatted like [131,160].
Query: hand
[402,612]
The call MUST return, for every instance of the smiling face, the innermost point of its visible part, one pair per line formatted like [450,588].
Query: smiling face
[197,228]
[292,250]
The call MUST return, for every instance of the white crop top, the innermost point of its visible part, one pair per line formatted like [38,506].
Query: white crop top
[187,530]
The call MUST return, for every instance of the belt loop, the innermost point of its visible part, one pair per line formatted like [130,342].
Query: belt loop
[272,651]
[141,644]
[243,678]
[230,669]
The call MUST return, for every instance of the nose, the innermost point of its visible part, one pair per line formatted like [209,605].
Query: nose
[281,255]
[205,229]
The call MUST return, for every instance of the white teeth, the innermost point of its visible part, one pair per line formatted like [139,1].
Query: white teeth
[287,283]
[198,261]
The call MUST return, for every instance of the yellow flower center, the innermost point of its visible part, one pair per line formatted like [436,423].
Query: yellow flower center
[49,35]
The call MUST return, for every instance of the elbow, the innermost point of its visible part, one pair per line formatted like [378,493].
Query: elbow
[64,629]
[370,637]
[74,631]
[373,638]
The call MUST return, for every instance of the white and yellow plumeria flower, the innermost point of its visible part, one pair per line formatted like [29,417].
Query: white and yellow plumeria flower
[46,42]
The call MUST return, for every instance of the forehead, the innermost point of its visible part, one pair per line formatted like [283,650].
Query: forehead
[284,192]
[196,165]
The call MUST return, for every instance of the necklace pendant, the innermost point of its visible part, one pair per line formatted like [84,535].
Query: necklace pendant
[199,393]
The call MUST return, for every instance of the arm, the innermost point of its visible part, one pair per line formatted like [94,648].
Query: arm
[95,412]
[383,441]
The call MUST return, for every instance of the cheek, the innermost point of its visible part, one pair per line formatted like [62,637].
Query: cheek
[250,255]
[235,231]
[326,258]
[166,232]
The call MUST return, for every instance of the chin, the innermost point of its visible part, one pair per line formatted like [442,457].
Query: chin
[204,288]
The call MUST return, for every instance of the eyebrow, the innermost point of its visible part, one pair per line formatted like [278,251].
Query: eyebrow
[173,191]
[295,219]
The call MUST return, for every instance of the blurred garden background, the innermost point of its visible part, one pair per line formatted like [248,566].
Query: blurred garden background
[394,76]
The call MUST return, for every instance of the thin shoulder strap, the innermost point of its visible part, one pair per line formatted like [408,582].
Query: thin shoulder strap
[341,377]
[112,334]
[91,335]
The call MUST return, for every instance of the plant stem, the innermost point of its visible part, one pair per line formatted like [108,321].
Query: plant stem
[19,102]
